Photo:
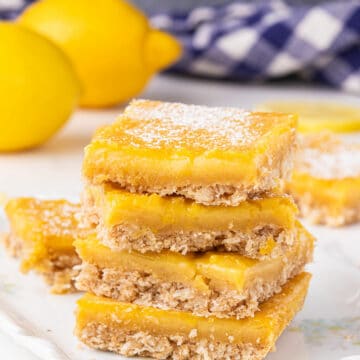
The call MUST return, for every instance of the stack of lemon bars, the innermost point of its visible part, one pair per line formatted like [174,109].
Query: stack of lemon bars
[197,253]
[189,249]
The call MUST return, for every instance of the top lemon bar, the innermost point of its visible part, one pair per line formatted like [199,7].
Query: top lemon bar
[215,156]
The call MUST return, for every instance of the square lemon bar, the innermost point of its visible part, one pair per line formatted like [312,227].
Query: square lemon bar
[42,233]
[215,156]
[326,180]
[257,228]
[135,330]
[212,283]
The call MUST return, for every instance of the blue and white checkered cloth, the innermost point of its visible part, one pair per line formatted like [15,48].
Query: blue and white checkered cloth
[256,42]
[268,40]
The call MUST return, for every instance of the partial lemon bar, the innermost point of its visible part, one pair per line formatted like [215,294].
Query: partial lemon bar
[134,330]
[213,283]
[148,222]
[215,156]
[42,233]
[318,116]
[326,180]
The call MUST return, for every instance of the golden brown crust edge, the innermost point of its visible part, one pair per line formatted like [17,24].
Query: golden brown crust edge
[101,336]
[58,270]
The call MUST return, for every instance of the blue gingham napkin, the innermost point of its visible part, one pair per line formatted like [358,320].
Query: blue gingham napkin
[259,41]
[10,9]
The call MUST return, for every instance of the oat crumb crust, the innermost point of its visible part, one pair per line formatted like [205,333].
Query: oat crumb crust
[176,347]
[58,270]
[145,289]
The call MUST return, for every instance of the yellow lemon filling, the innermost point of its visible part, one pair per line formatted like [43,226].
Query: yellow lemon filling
[170,214]
[336,196]
[211,269]
[262,330]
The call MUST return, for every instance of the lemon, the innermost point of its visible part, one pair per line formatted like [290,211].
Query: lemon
[38,88]
[110,43]
[318,116]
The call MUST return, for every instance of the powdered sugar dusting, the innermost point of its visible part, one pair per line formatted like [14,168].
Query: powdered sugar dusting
[326,157]
[154,124]
[46,217]
[175,117]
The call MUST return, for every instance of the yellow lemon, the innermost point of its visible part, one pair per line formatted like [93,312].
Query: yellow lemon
[110,43]
[38,88]
[318,116]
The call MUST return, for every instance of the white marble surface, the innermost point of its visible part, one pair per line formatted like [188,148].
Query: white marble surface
[327,329]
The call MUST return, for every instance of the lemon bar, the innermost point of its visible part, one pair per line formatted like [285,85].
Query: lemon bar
[148,222]
[326,180]
[41,235]
[213,283]
[134,330]
[215,156]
